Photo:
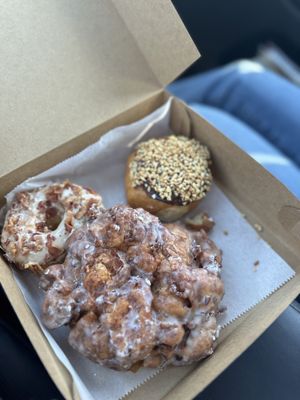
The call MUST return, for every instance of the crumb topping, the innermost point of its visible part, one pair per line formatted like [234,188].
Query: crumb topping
[200,221]
[173,169]
[258,227]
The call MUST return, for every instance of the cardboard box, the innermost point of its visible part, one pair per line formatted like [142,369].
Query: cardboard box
[74,69]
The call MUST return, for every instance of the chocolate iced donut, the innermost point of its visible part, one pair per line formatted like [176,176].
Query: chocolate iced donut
[40,221]
[136,293]
[168,176]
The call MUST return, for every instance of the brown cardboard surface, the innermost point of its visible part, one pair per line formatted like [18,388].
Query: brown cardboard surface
[239,339]
[160,36]
[69,65]
[260,196]
[87,67]
[73,146]
[56,371]
[187,382]
[263,200]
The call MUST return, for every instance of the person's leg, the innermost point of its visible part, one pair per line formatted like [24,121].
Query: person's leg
[265,101]
[255,145]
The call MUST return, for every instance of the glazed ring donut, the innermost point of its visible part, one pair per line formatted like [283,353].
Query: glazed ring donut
[40,221]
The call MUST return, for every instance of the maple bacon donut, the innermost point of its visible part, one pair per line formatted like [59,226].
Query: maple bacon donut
[40,221]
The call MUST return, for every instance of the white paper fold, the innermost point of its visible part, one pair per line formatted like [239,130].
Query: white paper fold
[101,166]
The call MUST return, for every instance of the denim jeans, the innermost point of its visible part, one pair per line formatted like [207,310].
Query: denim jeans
[256,109]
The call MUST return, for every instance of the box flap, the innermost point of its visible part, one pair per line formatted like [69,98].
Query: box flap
[69,65]
[160,35]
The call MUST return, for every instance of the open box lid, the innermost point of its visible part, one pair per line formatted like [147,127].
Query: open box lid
[69,65]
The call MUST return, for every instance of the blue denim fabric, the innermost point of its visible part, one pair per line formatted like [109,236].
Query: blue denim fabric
[263,100]
[254,144]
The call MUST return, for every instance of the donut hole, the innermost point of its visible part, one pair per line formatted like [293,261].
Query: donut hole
[187,303]
[53,218]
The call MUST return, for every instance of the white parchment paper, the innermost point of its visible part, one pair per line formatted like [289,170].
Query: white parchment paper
[101,166]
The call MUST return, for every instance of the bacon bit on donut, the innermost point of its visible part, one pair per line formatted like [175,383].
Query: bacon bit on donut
[41,227]
[53,196]
[51,212]
[41,206]
[54,251]
[23,198]
[68,224]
